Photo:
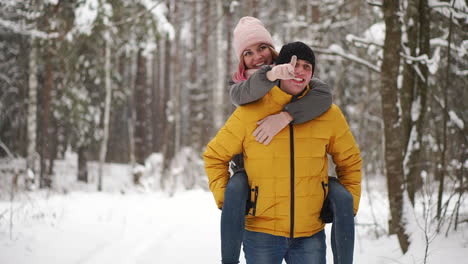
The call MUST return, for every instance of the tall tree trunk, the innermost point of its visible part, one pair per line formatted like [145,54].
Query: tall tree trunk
[249,8]
[195,89]
[83,167]
[283,20]
[391,118]
[149,104]
[229,108]
[254,8]
[200,92]
[45,178]
[156,116]
[161,97]
[443,148]
[32,118]
[168,148]
[131,70]
[416,156]
[176,58]
[140,109]
[315,11]
[407,96]
[107,106]
[168,139]
[409,74]
[53,145]
[207,71]
[118,148]
[219,84]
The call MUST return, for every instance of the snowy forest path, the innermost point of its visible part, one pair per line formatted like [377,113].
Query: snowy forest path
[147,231]
[148,228]
[128,248]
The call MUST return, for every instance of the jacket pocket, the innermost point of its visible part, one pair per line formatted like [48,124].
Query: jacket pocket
[253,200]
[326,213]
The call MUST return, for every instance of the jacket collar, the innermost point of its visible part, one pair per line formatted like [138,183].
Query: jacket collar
[282,98]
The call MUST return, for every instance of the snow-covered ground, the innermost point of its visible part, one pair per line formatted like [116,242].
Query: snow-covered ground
[83,227]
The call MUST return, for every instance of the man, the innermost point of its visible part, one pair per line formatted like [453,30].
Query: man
[288,177]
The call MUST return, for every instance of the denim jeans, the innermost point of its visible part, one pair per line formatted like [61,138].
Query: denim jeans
[233,220]
[233,217]
[262,248]
[342,232]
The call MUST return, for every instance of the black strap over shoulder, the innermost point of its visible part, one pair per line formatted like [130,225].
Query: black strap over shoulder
[237,163]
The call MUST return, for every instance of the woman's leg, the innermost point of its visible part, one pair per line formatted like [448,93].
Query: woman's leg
[342,233]
[233,217]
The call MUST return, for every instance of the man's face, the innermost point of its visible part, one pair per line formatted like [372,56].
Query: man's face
[303,73]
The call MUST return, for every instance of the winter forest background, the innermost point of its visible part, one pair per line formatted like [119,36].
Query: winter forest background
[145,83]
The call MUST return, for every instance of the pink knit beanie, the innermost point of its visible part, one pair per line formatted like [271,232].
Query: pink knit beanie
[250,31]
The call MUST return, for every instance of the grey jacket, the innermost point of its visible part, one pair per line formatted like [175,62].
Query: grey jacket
[316,102]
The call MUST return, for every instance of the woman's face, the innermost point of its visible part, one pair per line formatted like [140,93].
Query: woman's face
[257,55]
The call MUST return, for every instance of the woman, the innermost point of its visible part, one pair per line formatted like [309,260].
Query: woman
[253,79]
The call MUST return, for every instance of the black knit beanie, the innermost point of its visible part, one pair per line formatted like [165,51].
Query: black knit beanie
[300,49]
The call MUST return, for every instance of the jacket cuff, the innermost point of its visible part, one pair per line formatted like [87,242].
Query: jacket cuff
[290,112]
[262,73]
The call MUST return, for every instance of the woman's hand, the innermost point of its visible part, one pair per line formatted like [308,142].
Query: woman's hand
[283,71]
[271,125]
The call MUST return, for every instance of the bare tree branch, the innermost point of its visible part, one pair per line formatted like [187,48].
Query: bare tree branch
[350,57]
[137,15]
[22,30]
[374,3]
[6,149]
[449,6]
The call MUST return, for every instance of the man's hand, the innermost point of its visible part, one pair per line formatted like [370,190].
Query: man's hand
[269,126]
[282,71]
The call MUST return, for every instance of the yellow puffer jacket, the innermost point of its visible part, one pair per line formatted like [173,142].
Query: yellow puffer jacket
[287,196]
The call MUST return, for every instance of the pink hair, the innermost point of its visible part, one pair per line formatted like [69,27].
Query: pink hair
[239,75]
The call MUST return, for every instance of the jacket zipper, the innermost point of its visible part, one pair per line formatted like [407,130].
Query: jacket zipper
[291,144]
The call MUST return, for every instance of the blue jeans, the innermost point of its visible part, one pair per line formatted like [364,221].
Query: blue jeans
[261,248]
[233,220]
[236,195]
[342,232]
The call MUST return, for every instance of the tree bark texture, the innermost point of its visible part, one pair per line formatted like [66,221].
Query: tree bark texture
[45,179]
[392,120]
[107,106]
[32,116]
[177,71]
[140,104]
[415,160]
[195,90]
[82,165]
[443,148]
[168,147]
[229,23]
